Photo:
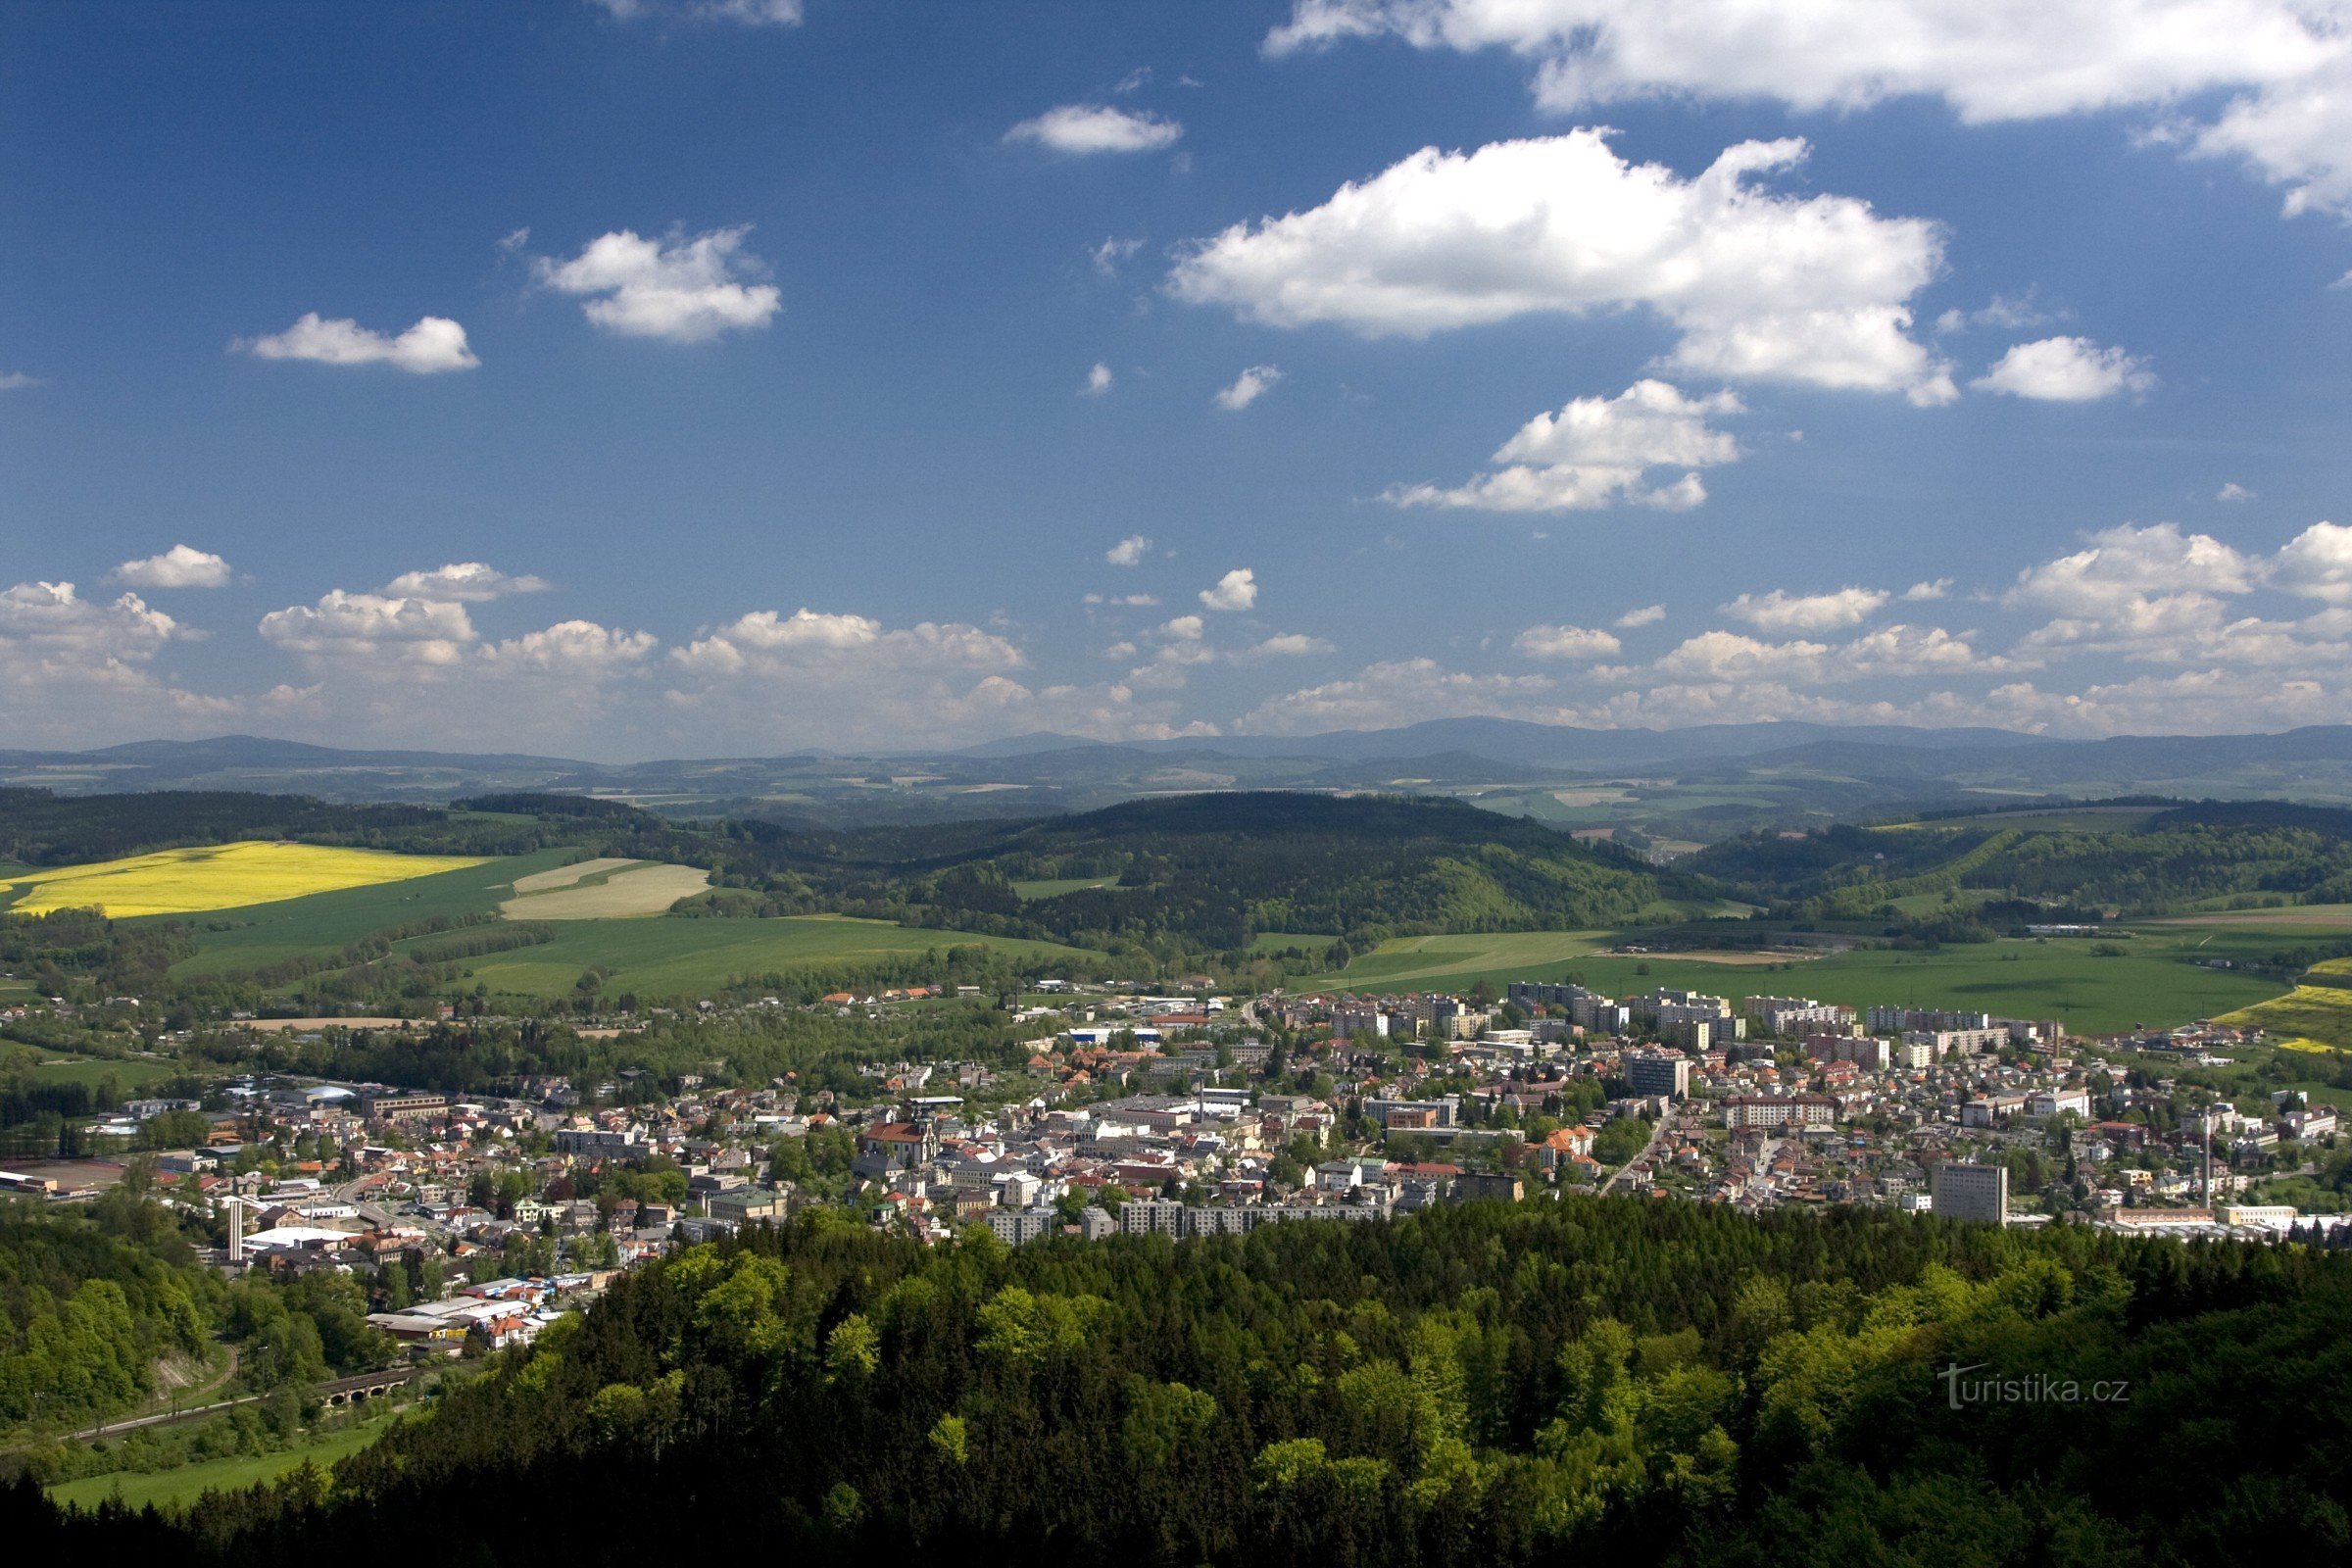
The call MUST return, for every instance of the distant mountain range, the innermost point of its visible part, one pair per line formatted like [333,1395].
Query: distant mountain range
[1510,740]
[1696,783]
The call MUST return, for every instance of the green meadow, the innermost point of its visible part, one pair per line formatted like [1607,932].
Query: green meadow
[167,1489]
[130,1072]
[2151,982]
[662,958]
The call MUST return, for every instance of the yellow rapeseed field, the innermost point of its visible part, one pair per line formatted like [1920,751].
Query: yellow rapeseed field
[217,876]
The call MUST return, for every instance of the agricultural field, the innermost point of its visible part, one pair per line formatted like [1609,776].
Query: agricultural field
[603,890]
[1930,903]
[217,876]
[167,1489]
[2307,1018]
[2316,1016]
[2150,981]
[2300,919]
[1457,963]
[246,938]
[680,957]
[2048,819]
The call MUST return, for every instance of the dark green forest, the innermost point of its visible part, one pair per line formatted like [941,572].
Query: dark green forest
[1596,1381]
[91,1301]
[2260,850]
[1216,869]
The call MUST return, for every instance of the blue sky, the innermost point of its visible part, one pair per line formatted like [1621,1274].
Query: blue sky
[676,377]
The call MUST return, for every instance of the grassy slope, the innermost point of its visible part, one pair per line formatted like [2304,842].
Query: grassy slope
[668,957]
[170,1489]
[2029,979]
[131,1072]
[267,933]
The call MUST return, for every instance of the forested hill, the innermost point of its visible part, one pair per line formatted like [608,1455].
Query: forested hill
[1214,870]
[2141,859]
[1184,874]
[40,828]
[1595,1381]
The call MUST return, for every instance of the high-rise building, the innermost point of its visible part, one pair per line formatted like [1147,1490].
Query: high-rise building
[1979,1193]
[1658,1072]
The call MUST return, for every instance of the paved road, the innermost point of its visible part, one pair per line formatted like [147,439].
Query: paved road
[1657,1135]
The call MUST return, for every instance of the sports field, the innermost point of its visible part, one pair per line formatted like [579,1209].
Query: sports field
[682,957]
[217,876]
[2148,983]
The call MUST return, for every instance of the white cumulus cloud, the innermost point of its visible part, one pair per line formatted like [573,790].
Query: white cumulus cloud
[50,617]
[1757,285]
[1098,381]
[2288,63]
[466,581]
[1782,612]
[2129,563]
[1888,653]
[1290,645]
[1567,642]
[1237,590]
[1248,387]
[2066,369]
[745,13]
[682,289]
[180,566]
[1596,453]
[2317,563]
[575,649]
[76,671]
[372,626]
[433,345]
[1083,128]
[767,639]
[1128,551]
[1646,616]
